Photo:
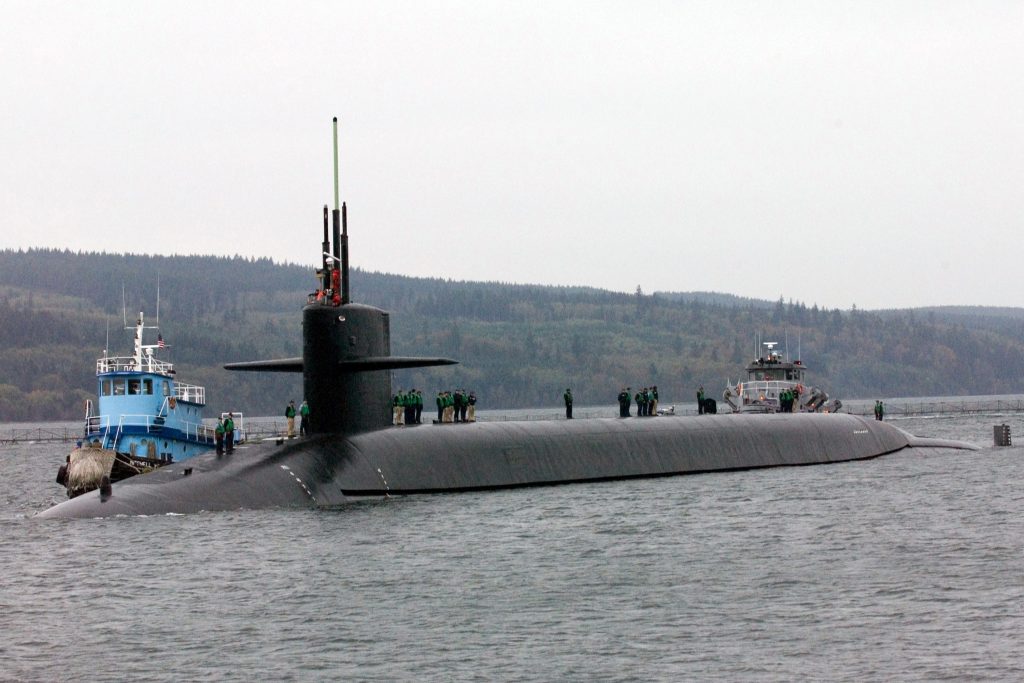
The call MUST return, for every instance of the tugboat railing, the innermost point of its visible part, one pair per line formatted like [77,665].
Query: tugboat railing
[766,387]
[102,425]
[190,392]
[97,425]
[128,364]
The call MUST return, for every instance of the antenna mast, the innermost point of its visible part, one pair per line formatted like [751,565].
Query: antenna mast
[336,221]
[336,201]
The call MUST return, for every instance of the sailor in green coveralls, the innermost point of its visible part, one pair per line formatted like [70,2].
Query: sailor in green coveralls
[229,433]
[304,419]
[218,435]
[289,412]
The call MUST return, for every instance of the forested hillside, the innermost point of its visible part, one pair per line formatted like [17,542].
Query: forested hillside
[519,346]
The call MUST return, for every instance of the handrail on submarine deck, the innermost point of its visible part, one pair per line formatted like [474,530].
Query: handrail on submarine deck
[861,407]
[256,427]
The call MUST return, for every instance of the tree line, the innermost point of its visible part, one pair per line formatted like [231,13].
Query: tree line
[518,345]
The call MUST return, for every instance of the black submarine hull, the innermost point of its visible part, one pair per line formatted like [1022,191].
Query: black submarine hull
[328,470]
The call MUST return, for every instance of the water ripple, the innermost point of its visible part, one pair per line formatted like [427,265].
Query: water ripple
[902,568]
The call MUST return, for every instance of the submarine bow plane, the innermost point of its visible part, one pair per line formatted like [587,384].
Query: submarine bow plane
[353,452]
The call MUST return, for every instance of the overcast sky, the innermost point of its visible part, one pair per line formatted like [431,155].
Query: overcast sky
[837,153]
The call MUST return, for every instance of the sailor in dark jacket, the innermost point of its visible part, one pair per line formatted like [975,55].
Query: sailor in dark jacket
[624,401]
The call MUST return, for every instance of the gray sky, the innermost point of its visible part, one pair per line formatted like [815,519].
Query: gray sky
[837,153]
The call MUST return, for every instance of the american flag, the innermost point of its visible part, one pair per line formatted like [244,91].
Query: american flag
[159,341]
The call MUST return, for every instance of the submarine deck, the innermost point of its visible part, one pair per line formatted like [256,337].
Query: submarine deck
[329,470]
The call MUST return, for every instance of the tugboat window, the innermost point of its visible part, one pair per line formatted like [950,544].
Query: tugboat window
[166,388]
[119,387]
[134,387]
[106,387]
[147,387]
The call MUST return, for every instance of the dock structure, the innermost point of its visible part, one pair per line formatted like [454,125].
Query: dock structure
[968,405]
[13,435]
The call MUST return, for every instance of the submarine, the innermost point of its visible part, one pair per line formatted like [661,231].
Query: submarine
[353,452]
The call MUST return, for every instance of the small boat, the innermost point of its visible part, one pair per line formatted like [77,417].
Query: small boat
[776,385]
[144,418]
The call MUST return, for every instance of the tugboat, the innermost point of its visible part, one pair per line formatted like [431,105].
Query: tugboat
[145,419]
[776,385]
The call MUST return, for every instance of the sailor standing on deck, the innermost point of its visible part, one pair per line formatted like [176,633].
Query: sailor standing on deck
[397,408]
[457,404]
[700,400]
[624,401]
[229,433]
[289,413]
[449,406]
[304,418]
[568,403]
[218,436]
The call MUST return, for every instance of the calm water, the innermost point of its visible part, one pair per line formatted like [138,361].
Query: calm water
[902,568]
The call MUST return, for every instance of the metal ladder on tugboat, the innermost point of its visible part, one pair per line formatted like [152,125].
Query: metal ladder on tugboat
[161,417]
[94,424]
[117,434]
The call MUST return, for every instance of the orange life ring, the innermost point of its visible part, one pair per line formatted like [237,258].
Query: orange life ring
[172,402]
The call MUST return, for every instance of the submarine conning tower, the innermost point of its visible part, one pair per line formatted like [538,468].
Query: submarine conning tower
[337,341]
[346,358]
